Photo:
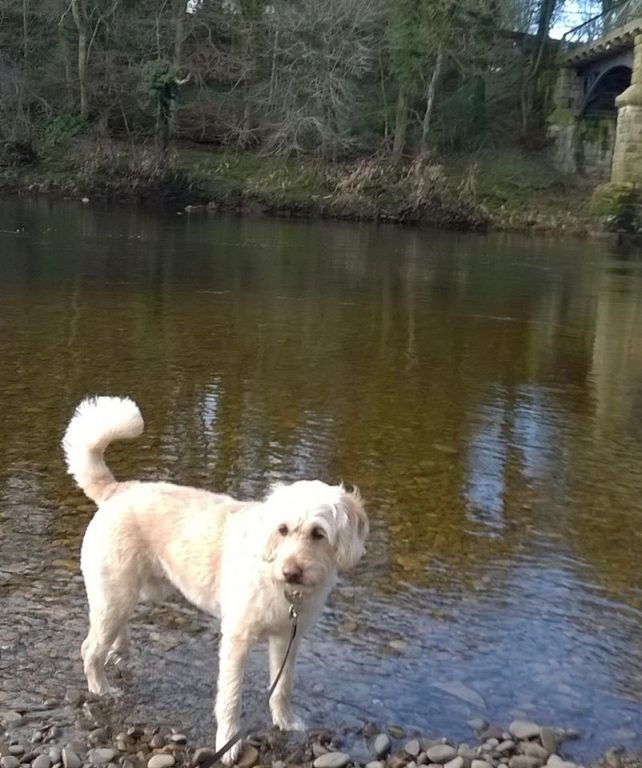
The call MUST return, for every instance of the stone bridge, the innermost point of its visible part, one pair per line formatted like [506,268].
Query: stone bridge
[597,122]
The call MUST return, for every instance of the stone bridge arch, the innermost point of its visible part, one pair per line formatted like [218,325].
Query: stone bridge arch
[605,87]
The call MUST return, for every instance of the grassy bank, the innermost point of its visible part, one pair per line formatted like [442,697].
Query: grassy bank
[507,190]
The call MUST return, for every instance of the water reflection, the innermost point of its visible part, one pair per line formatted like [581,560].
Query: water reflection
[485,393]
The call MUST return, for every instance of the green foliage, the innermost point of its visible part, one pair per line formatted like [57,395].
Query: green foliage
[62,128]
[159,80]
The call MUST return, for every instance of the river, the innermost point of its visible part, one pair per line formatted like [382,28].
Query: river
[484,392]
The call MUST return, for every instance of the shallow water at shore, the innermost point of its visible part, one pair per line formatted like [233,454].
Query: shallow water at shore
[484,392]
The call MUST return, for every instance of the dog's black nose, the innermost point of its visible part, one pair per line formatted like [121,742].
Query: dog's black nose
[292,573]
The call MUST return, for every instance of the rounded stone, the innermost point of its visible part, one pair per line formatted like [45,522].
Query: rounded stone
[441,753]
[249,757]
[382,745]
[101,756]
[178,738]
[534,749]
[55,755]
[480,764]
[524,761]
[9,761]
[157,741]
[457,762]
[412,748]
[161,761]
[332,760]
[42,761]
[375,764]
[16,750]
[523,729]
[549,739]
[70,759]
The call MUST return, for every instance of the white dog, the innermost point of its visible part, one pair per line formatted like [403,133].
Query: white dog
[233,559]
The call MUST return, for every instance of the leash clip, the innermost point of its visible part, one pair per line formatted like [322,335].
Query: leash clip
[294,597]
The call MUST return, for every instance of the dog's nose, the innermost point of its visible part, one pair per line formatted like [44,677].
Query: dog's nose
[292,573]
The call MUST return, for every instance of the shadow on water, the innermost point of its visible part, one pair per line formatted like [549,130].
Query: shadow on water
[484,392]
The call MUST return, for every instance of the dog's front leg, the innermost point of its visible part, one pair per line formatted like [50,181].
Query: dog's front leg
[280,705]
[233,656]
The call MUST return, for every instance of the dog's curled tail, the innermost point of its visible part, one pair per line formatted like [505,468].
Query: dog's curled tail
[96,422]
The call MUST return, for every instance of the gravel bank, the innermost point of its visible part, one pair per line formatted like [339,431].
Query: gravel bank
[97,742]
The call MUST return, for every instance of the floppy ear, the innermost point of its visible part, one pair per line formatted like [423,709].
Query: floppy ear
[353,529]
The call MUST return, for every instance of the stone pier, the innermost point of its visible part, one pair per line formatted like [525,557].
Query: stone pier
[627,153]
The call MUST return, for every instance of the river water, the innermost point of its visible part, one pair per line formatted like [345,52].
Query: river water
[484,392]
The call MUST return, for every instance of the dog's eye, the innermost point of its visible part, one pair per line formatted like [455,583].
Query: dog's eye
[283,530]
[317,533]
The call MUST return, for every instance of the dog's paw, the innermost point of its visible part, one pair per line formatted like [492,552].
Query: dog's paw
[287,721]
[233,753]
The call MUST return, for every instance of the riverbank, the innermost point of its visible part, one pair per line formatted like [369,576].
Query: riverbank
[509,190]
[100,738]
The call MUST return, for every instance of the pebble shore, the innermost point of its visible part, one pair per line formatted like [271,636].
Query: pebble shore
[97,744]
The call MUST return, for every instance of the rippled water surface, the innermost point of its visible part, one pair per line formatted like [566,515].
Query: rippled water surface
[484,392]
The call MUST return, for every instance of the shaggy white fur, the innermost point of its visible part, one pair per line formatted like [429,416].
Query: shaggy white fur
[233,559]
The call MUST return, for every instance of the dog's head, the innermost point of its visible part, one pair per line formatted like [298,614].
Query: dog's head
[314,530]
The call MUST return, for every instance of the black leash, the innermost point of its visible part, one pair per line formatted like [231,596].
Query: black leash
[293,615]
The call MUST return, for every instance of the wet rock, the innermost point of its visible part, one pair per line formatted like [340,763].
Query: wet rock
[249,757]
[41,761]
[318,749]
[524,761]
[161,761]
[492,732]
[422,759]
[523,729]
[201,755]
[16,750]
[4,748]
[396,731]
[441,753]
[70,759]
[178,738]
[157,741]
[74,696]
[533,749]
[382,745]
[97,736]
[549,739]
[27,757]
[52,733]
[480,764]
[505,747]
[375,764]
[478,724]
[457,762]
[332,760]
[55,755]
[101,756]
[9,761]
[10,717]
[412,748]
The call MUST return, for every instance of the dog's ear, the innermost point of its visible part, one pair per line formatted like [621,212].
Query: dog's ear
[353,529]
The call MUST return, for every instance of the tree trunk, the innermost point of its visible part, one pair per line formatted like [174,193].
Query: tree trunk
[530,85]
[430,99]
[179,31]
[401,126]
[81,25]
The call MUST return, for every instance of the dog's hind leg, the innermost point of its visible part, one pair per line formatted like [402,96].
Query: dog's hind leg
[108,627]
[119,650]
[280,705]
